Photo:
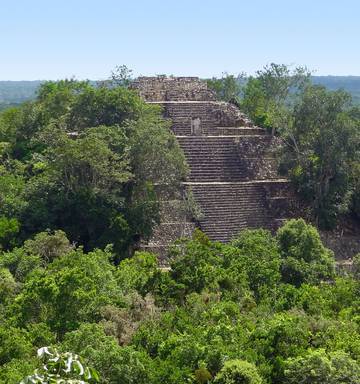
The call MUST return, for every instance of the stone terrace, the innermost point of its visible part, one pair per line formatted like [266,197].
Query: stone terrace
[233,172]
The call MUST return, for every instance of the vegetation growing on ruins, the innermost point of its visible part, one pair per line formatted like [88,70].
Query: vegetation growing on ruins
[78,174]
[320,130]
[85,160]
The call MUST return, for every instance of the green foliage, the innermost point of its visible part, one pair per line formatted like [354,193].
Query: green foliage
[355,182]
[80,170]
[12,187]
[196,264]
[277,338]
[8,285]
[269,95]
[202,375]
[20,262]
[35,253]
[323,144]
[85,159]
[14,343]
[356,266]
[137,273]
[115,364]
[121,76]
[15,371]
[219,303]
[48,245]
[320,132]
[9,228]
[304,258]
[228,87]
[259,257]
[238,372]
[71,290]
[318,367]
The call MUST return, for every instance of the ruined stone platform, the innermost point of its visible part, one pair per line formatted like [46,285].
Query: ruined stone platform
[233,182]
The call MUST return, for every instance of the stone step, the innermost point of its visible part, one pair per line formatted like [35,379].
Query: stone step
[212,158]
[228,131]
[228,208]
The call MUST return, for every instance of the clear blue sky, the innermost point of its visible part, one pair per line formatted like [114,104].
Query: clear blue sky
[52,39]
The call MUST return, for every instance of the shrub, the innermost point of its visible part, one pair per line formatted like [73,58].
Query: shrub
[238,372]
[304,257]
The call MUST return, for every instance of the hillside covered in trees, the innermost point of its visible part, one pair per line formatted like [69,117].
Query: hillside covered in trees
[79,170]
[349,84]
[13,93]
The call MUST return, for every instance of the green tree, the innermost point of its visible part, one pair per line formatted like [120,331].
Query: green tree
[355,182]
[85,159]
[121,76]
[318,367]
[356,266]
[322,146]
[114,363]
[304,257]
[71,290]
[8,285]
[138,273]
[269,96]
[48,245]
[14,343]
[196,264]
[228,87]
[277,338]
[15,370]
[35,253]
[9,228]
[238,372]
[259,257]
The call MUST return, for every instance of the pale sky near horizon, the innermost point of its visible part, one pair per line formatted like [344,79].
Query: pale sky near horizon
[52,39]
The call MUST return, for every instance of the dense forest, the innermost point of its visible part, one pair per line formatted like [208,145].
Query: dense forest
[79,304]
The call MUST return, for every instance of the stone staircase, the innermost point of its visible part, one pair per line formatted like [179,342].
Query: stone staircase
[212,158]
[226,158]
[233,176]
[229,207]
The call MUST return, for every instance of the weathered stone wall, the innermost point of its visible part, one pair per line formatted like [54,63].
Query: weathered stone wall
[177,220]
[344,246]
[161,88]
[258,156]
[228,115]
[212,117]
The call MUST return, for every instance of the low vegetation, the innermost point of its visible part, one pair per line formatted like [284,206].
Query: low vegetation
[263,309]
